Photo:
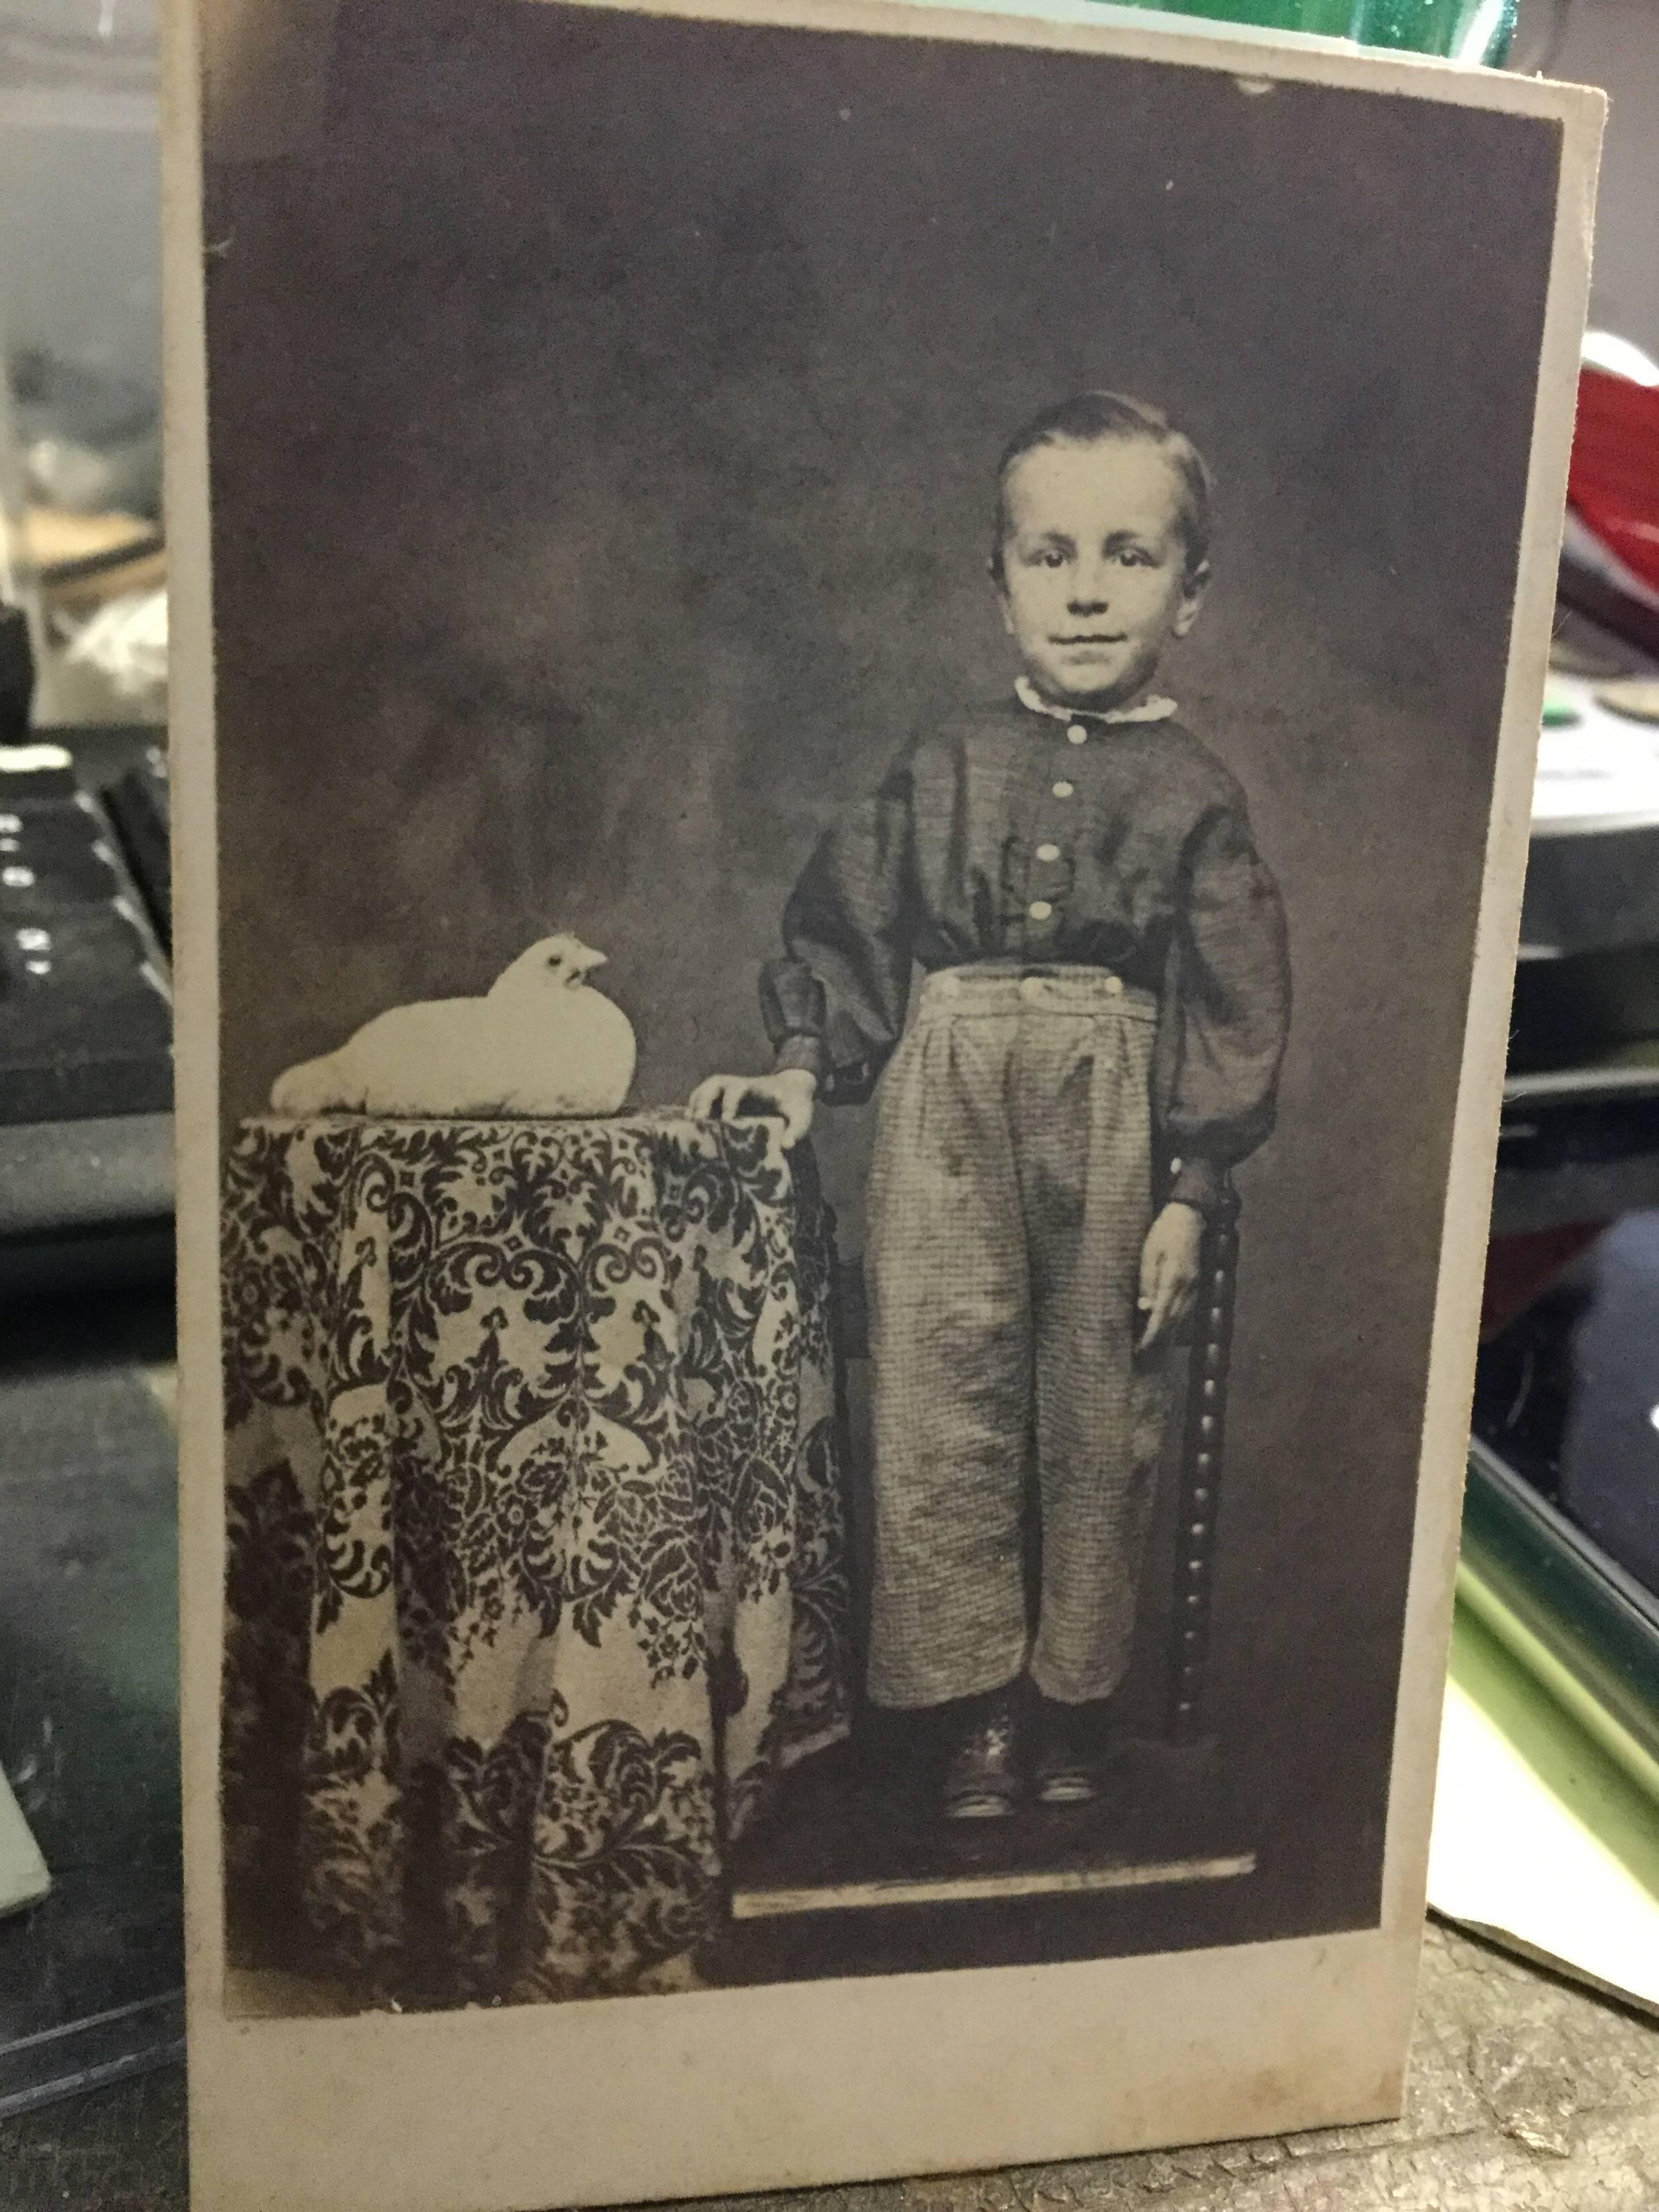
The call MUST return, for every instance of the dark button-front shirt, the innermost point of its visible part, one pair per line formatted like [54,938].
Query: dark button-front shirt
[1015,835]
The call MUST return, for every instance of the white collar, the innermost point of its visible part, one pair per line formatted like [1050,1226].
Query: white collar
[1149,710]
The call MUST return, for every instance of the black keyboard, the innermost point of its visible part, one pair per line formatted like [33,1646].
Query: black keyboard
[140,805]
[86,1014]
[86,1010]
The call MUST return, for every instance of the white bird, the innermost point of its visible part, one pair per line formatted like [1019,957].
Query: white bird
[539,1041]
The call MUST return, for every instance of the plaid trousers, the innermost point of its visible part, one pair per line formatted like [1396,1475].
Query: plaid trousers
[1010,1196]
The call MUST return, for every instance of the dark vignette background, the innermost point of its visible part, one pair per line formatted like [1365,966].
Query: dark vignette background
[603,416]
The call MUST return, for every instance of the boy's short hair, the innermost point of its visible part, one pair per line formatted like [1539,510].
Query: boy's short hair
[1085,420]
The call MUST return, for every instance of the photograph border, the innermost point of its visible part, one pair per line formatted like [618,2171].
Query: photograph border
[782,2086]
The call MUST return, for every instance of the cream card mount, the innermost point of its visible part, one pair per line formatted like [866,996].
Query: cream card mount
[880,1604]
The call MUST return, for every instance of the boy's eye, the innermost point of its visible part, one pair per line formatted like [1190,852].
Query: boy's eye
[1050,558]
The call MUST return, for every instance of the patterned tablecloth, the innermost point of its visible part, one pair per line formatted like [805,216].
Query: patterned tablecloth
[535,1572]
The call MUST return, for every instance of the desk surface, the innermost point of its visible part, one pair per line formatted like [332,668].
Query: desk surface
[1527,2096]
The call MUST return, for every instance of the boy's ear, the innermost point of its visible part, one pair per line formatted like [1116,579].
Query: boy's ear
[1192,598]
[999,585]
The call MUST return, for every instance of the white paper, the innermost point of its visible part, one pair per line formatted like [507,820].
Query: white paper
[1540,1841]
[23,1876]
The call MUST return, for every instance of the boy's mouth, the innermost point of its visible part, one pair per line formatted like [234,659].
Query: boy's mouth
[1090,637]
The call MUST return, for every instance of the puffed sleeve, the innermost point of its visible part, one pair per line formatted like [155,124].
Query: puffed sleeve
[835,1002]
[1228,1005]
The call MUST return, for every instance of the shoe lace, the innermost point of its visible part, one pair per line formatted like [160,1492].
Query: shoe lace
[998,1734]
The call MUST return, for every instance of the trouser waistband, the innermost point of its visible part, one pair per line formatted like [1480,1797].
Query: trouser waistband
[1034,988]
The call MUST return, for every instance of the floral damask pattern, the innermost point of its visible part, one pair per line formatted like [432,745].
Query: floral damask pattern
[536,1573]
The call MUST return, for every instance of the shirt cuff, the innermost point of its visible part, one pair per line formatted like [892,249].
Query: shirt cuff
[1198,1182]
[807,1053]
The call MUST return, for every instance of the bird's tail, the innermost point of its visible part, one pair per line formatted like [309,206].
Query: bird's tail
[312,1087]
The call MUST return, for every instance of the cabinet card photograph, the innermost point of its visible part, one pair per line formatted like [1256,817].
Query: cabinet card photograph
[853,790]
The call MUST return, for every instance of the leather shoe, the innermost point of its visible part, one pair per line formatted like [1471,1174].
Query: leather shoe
[983,1780]
[1067,1767]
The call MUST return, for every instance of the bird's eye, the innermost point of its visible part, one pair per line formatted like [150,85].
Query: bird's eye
[556,959]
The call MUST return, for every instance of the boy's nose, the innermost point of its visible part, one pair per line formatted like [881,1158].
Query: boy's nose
[1090,589]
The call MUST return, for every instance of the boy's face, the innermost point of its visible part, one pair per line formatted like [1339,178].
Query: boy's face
[1095,580]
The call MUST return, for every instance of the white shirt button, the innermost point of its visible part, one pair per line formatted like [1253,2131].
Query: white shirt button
[1039,909]
[1115,987]
[1031,987]
[1048,852]
[1077,734]
[1064,790]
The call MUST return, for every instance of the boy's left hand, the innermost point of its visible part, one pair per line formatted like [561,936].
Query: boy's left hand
[1168,1271]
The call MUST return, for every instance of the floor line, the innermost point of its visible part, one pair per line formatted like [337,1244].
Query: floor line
[953,1889]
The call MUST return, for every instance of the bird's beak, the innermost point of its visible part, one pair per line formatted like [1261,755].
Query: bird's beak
[590,961]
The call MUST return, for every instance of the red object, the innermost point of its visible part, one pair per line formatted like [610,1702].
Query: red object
[1614,480]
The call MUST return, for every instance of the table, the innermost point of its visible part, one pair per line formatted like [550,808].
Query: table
[535,1572]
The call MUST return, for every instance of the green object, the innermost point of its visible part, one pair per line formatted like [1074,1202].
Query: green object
[1559,713]
[1478,1601]
[1584,1629]
[1460,30]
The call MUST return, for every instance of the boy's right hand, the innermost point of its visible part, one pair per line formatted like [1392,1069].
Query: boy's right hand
[789,1094]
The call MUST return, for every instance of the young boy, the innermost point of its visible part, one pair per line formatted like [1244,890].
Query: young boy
[1094,1041]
